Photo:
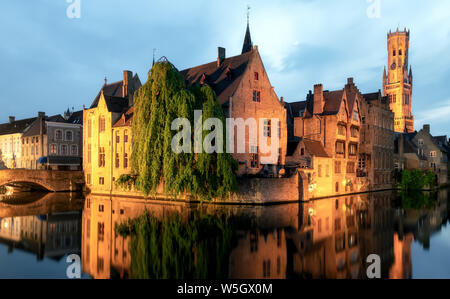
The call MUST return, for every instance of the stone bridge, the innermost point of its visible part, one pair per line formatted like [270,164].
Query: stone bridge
[46,180]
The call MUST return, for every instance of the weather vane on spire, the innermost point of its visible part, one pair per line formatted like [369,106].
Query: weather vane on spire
[248,13]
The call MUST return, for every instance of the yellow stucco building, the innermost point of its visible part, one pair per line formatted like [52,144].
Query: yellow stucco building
[107,131]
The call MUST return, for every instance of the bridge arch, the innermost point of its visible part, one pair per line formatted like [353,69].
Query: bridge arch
[48,180]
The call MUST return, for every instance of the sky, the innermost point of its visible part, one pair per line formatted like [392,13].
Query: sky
[50,62]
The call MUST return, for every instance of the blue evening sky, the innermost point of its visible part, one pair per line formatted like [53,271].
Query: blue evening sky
[50,62]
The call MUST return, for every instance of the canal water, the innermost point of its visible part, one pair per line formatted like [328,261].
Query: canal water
[130,238]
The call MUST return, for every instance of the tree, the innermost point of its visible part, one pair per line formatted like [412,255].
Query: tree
[164,98]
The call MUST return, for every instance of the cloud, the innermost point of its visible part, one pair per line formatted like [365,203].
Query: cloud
[50,62]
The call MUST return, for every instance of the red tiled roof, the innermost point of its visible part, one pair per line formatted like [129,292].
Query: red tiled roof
[315,148]
[224,80]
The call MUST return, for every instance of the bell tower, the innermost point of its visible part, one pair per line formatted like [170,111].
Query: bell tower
[398,81]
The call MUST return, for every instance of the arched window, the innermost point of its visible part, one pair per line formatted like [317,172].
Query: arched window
[394,52]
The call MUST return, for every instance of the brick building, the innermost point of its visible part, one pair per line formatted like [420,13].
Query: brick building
[332,119]
[243,88]
[376,160]
[420,150]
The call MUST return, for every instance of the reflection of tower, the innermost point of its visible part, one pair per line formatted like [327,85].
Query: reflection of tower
[398,82]
[402,267]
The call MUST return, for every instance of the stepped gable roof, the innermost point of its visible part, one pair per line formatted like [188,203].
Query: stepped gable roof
[16,127]
[224,80]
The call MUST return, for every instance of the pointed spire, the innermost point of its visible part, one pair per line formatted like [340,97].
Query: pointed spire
[248,44]
[106,81]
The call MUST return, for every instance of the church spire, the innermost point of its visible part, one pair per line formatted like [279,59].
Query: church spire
[248,45]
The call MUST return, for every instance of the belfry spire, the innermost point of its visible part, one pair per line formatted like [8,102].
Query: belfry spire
[248,45]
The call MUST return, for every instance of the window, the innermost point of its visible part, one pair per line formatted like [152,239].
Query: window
[101,232]
[340,147]
[279,129]
[355,132]
[355,115]
[433,154]
[101,157]
[254,159]
[267,128]
[400,52]
[101,124]
[89,128]
[69,136]
[302,152]
[393,53]
[58,135]
[117,138]
[362,161]
[421,142]
[64,151]
[125,160]
[101,208]
[88,178]
[117,161]
[32,150]
[89,153]
[342,130]
[125,136]
[352,149]
[337,187]
[351,167]
[256,96]
[256,76]
[74,150]
[101,181]
[337,167]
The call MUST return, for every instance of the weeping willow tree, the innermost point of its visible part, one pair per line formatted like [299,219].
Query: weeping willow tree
[164,98]
[171,248]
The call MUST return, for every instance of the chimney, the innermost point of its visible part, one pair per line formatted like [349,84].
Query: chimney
[350,81]
[282,99]
[221,56]
[318,99]
[127,77]
[41,114]
[12,119]
[426,128]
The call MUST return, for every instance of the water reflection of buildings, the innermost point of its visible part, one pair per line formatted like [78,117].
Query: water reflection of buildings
[53,232]
[328,238]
